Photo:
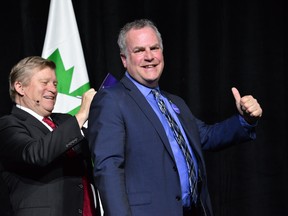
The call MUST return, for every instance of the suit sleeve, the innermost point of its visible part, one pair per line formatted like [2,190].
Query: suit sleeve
[29,144]
[107,141]
[214,136]
[223,134]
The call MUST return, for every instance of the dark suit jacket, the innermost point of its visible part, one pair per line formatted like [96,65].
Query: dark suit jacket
[5,204]
[135,170]
[41,178]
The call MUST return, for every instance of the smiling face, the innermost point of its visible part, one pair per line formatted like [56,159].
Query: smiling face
[40,93]
[144,59]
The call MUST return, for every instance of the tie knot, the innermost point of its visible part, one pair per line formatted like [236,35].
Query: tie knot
[49,122]
[156,93]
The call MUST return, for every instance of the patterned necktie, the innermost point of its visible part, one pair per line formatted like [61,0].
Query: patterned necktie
[181,142]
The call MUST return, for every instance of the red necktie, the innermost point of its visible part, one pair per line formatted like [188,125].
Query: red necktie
[88,204]
[49,122]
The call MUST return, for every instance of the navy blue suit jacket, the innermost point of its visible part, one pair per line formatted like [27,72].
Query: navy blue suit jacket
[134,166]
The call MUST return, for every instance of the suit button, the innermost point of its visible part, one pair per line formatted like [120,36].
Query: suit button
[80,186]
[178,198]
[80,211]
[175,168]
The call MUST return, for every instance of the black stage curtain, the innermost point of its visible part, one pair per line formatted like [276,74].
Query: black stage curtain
[209,47]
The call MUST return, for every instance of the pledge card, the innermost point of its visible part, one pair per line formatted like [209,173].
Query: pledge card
[109,81]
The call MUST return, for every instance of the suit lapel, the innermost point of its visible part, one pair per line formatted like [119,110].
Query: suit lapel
[142,103]
[190,131]
[29,119]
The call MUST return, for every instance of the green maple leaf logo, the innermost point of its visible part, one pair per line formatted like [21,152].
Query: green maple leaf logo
[64,79]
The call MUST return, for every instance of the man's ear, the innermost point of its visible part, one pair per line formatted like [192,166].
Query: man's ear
[19,88]
[123,59]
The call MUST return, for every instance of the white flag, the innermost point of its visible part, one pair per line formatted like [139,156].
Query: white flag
[63,46]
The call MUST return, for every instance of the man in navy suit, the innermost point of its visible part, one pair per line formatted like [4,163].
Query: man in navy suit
[46,167]
[139,167]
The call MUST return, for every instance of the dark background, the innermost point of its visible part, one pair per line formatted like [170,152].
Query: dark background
[209,47]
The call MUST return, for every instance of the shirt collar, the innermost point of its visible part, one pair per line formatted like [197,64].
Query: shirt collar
[30,112]
[143,89]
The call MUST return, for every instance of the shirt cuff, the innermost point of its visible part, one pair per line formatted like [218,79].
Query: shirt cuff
[249,128]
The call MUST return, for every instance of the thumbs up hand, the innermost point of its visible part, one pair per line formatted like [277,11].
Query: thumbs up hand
[247,106]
